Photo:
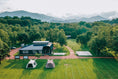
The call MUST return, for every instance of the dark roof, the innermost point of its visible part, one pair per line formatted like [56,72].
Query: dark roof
[32,47]
[36,47]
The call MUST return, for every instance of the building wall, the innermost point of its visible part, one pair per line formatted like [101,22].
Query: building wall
[30,51]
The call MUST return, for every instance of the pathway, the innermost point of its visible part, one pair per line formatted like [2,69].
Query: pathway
[71,56]
[12,52]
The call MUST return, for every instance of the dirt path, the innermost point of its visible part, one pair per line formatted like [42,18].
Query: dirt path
[12,52]
[71,56]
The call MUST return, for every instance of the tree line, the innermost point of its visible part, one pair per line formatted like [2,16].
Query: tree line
[15,31]
[101,39]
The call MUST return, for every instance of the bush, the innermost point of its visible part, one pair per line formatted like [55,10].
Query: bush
[60,48]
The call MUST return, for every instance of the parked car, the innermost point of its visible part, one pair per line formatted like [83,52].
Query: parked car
[13,47]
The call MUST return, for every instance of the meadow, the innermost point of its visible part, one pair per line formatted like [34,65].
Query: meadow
[76,46]
[65,69]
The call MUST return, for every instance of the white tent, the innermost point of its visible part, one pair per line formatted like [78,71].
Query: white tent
[50,64]
[31,64]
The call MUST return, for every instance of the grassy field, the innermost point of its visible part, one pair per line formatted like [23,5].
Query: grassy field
[76,46]
[65,69]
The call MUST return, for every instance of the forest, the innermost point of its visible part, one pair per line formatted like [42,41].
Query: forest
[100,37]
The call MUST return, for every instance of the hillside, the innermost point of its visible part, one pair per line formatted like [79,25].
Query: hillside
[20,13]
[46,18]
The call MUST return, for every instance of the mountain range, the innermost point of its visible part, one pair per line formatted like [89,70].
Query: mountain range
[46,18]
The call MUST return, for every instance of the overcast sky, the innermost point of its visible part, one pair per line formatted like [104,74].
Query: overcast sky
[60,8]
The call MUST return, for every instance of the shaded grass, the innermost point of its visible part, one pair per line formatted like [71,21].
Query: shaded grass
[65,69]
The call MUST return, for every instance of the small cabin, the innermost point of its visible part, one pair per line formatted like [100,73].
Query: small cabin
[40,47]
[31,64]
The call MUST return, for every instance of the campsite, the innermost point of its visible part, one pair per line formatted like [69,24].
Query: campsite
[58,39]
[64,69]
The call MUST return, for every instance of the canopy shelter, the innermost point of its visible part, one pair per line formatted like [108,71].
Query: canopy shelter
[31,64]
[50,64]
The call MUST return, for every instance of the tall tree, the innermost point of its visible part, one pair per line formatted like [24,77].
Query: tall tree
[62,38]
[4,50]
[115,44]
[4,36]
[96,45]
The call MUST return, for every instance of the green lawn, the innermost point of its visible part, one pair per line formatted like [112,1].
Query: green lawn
[65,69]
[76,46]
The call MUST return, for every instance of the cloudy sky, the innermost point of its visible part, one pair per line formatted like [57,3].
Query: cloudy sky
[60,8]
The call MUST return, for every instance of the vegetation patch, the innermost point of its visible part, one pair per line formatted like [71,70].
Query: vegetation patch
[76,46]
[60,49]
[64,69]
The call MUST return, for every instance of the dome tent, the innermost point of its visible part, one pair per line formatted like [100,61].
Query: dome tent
[31,64]
[50,64]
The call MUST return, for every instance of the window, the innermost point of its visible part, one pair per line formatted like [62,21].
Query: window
[25,57]
[34,51]
[25,51]
[40,51]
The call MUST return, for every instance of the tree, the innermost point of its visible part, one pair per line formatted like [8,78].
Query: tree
[13,38]
[4,50]
[115,44]
[73,35]
[52,35]
[98,24]
[81,23]
[84,38]
[96,45]
[1,46]
[62,38]
[4,36]
[23,37]
[88,25]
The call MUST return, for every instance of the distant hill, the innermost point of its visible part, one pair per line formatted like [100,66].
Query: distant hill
[32,15]
[47,18]
[110,15]
[94,18]
[91,19]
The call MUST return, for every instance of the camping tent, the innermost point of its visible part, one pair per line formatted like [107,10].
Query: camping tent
[31,64]
[50,64]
